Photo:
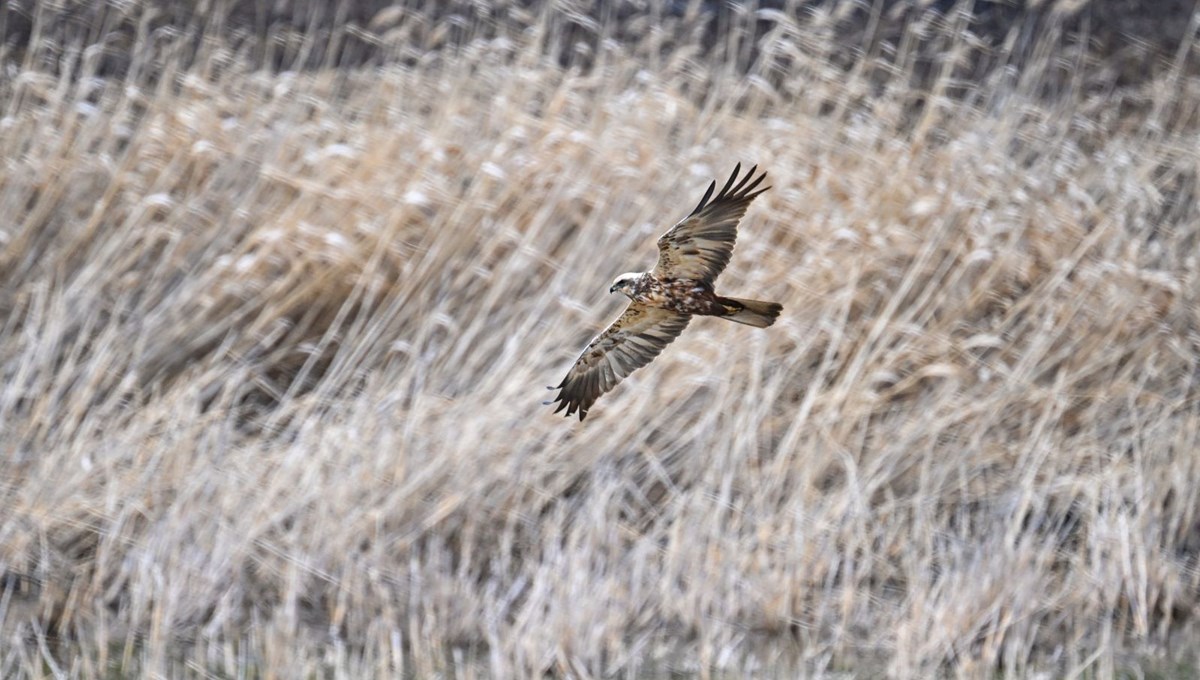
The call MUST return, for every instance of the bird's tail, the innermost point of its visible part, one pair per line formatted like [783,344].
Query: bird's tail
[751,312]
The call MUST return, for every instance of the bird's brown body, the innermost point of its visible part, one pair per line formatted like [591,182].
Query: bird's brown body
[677,295]
[663,300]
[681,295]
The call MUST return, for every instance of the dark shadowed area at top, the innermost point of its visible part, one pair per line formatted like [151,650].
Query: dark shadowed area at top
[306,34]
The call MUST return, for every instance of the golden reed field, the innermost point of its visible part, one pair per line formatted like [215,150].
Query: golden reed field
[276,326]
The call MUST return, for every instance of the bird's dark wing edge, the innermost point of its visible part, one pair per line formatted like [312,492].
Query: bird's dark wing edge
[630,342]
[700,246]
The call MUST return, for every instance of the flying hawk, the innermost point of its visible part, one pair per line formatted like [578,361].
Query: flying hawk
[690,257]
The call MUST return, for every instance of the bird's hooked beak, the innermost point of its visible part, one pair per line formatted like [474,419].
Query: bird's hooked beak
[612,289]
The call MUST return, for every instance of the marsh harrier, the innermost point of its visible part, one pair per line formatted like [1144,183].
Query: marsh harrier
[690,257]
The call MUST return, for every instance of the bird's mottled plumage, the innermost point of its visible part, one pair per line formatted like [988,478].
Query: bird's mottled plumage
[699,247]
[690,257]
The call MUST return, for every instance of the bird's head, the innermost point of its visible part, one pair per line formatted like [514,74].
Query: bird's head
[624,283]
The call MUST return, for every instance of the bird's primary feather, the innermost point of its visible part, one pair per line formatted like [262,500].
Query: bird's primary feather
[632,341]
[699,247]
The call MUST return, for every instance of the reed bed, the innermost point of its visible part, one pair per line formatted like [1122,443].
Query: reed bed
[274,345]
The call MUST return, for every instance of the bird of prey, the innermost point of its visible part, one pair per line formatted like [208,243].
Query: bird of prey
[690,257]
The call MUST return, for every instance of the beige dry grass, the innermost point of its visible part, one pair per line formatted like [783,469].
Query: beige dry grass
[274,348]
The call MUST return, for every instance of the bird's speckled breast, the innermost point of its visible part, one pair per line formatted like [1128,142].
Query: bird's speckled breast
[677,295]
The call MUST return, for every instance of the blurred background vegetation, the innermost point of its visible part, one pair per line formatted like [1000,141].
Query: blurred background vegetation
[281,283]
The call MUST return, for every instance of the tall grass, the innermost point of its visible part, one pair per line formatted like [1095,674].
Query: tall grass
[273,347]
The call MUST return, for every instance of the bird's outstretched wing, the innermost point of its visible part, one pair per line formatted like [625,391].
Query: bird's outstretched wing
[632,341]
[699,247]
